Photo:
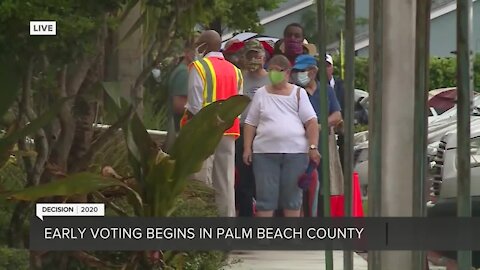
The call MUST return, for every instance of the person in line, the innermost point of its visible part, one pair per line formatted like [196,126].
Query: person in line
[254,77]
[178,86]
[232,52]
[337,85]
[280,135]
[293,37]
[304,74]
[220,167]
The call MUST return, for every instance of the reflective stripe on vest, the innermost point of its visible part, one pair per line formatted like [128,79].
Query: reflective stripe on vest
[239,79]
[205,69]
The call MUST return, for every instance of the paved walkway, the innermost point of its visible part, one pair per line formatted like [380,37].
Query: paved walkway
[290,260]
[294,260]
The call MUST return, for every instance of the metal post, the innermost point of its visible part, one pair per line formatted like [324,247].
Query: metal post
[422,45]
[322,33]
[464,88]
[375,122]
[349,96]
[398,99]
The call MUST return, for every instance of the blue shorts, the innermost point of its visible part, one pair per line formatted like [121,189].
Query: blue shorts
[276,178]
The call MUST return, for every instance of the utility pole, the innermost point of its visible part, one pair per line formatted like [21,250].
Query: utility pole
[393,64]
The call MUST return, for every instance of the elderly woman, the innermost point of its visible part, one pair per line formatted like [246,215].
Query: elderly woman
[280,135]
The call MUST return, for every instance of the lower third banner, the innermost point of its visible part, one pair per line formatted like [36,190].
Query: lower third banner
[124,233]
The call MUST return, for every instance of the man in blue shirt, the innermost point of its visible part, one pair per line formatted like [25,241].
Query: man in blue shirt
[304,74]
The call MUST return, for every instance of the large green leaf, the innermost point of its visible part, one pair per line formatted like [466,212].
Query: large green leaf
[75,184]
[198,139]
[158,188]
[139,142]
[114,91]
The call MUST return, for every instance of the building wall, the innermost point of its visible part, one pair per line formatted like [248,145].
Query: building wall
[443,34]
[275,28]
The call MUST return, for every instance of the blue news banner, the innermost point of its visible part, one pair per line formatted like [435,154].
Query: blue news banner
[127,233]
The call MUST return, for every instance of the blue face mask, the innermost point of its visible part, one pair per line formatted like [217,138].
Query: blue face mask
[302,79]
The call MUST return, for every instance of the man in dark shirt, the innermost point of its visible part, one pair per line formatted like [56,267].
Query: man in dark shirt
[337,85]
[304,74]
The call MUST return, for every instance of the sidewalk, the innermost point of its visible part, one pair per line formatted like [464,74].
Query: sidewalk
[290,260]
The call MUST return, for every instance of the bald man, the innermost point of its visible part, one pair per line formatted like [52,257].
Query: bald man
[219,80]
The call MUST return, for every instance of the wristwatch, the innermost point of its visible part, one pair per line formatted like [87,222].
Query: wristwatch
[313,147]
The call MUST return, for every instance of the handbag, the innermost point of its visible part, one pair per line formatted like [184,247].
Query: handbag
[337,195]
[336,172]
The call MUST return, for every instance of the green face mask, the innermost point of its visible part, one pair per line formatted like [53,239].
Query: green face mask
[276,77]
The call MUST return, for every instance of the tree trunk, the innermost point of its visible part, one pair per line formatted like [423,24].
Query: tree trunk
[85,112]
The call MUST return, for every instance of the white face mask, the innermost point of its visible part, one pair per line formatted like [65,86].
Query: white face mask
[156,73]
[302,79]
[199,55]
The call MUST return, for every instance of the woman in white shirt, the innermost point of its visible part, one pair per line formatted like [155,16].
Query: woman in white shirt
[281,134]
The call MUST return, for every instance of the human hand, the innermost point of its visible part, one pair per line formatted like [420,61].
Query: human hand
[247,156]
[314,155]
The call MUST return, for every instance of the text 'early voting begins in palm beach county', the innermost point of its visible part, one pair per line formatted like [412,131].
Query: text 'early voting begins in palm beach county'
[169,233]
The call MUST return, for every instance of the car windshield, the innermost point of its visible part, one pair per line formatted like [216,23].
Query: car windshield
[453,111]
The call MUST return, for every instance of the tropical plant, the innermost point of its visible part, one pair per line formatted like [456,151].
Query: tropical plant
[159,178]
[52,92]
[49,88]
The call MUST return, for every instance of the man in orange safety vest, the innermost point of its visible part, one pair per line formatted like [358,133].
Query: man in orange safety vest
[213,78]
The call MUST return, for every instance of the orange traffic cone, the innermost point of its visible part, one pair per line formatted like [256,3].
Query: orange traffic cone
[357,210]
[337,202]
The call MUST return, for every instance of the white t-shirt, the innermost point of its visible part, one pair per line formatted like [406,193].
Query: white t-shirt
[280,120]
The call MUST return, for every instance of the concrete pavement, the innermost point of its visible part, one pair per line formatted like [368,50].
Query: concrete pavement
[290,260]
[294,260]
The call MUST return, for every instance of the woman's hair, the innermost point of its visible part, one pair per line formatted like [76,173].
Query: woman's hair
[281,61]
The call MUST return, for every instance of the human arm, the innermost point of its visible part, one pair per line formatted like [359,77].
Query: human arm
[248,135]
[178,88]
[250,128]
[195,92]
[179,103]
[309,118]
[334,119]
[334,112]
[312,131]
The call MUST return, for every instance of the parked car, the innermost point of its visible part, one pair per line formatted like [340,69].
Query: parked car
[438,126]
[361,107]
[443,197]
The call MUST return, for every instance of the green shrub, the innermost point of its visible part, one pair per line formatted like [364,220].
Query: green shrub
[11,178]
[13,259]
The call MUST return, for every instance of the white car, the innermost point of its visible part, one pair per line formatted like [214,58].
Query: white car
[438,126]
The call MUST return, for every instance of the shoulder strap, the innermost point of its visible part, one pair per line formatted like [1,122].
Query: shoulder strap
[298,99]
